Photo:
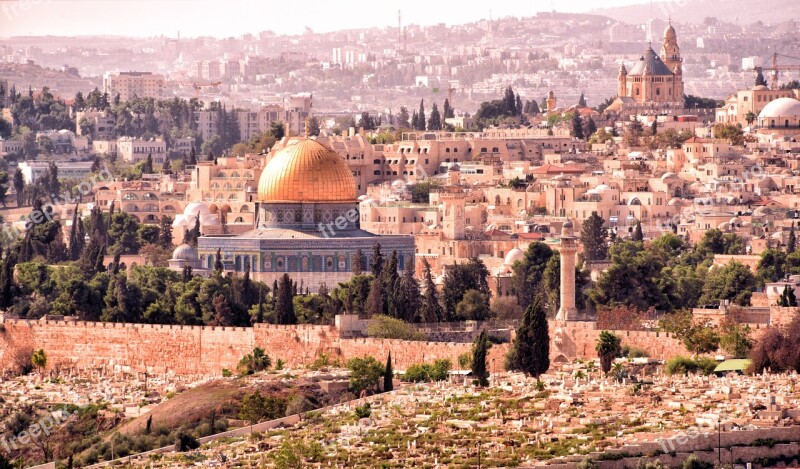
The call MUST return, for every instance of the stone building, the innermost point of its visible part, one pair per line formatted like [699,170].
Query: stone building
[654,78]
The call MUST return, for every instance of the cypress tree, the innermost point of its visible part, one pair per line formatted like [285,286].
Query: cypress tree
[791,243]
[430,309]
[480,349]
[638,235]
[75,240]
[375,301]
[388,375]
[530,352]
[358,263]
[376,266]
[218,266]
[285,305]
[421,115]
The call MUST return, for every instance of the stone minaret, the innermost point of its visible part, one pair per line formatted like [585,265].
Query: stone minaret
[623,81]
[551,101]
[569,248]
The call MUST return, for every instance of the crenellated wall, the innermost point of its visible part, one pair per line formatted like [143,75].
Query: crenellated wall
[206,350]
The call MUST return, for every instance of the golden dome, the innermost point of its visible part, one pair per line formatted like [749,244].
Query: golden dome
[306,171]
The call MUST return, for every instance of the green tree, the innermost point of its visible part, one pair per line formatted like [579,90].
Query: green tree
[3,187]
[277,130]
[582,101]
[254,362]
[285,305]
[257,408]
[313,126]
[407,298]
[376,264]
[358,264]
[365,373]
[19,187]
[480,349]
[529,272]
[39,359]
[760,80]
[403,118]
[459,278]
[594,238]
[733,281]
[608,348]
[530,352]
[473,307]
[388,375]
[421,116]
[791,243]
[381,326]
[735,338]
[788,298]
[430,309]
[435,119]
[638,235]
[576,129]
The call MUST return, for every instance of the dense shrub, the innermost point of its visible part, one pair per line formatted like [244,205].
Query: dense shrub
[423,372]
[684,365]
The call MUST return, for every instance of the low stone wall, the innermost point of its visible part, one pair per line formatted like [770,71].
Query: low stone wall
[206,350]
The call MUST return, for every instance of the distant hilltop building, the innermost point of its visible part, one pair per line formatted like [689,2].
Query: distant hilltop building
[656,79]
[130,84]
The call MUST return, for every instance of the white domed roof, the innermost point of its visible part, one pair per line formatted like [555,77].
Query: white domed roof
[762,211]
[603,187]
[674,201]
[181,220]
[195,208]
[666,176]
[760,88]
[185,252]
[781,107]
[724,226]
[735,221]
[514,255]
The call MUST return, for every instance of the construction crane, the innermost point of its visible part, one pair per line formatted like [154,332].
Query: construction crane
[775,68]
[197,86]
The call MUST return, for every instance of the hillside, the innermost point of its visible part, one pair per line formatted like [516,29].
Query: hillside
[60,83]
[694,11]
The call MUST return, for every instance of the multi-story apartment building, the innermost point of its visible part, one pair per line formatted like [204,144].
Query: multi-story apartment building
[744,106]
[101,122]
[33,170]
[135,150]
[254,123]
[228,189]
[130,84]
[143,199]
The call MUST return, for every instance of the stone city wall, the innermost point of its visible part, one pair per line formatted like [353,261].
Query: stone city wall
[206,350]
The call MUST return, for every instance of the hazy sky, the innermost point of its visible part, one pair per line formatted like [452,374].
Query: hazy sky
[224,18]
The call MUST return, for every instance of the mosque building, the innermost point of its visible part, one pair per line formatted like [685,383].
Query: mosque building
[307,224]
